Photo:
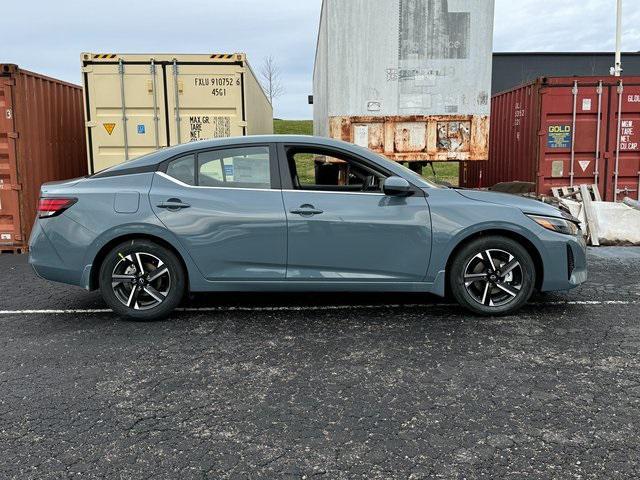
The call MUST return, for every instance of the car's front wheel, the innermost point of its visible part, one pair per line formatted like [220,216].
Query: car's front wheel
[142,280]
[492,275]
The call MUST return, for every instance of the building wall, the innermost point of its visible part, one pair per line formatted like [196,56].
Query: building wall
[513,69]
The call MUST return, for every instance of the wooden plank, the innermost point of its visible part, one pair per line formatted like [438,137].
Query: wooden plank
[578,193]
[565,191]
[590,214]
[573,194]
[596,193]
[556,192]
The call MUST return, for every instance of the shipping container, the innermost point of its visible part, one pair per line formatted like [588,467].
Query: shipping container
[41,140]
[406,78]
[565,131]
[138,103]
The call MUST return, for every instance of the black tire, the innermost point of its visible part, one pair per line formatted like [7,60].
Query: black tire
[476,276]
[156,297]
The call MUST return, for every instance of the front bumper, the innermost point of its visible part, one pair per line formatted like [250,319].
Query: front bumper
[564,262]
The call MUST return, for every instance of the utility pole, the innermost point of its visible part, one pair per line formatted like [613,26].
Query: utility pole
[617,69]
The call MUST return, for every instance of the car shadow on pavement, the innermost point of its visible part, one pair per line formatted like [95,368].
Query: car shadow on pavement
[307,299]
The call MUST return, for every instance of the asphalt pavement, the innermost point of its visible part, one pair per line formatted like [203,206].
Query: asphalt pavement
[327,386]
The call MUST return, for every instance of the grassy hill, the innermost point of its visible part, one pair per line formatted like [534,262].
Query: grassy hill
[445,171]
[293,127]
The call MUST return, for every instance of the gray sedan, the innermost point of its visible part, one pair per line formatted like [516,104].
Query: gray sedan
[294,213]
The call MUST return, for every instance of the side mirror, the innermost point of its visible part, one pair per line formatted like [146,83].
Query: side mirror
[397,186]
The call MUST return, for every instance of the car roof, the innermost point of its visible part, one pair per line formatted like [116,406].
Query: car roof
[147,162]
[163,154]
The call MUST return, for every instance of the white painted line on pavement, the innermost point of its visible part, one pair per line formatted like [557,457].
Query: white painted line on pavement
[302,308]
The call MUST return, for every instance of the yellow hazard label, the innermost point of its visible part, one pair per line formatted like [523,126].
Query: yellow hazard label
[109,127]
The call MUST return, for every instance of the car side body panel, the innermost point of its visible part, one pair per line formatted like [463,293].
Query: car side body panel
[116,205]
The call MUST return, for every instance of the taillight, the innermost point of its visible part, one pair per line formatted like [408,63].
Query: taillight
[50,207]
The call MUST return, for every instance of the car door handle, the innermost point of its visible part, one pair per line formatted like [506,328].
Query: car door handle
[306,210]
[173,204]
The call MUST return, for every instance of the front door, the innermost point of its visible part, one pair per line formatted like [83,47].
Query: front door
[341,227]
[225,206]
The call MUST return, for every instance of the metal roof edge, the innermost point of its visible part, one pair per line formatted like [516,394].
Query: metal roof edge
[603,53]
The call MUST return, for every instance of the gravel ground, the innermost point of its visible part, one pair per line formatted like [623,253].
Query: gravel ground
[334,386]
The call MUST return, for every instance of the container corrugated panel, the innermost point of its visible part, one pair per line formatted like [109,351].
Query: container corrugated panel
[412,82]
[564,131]
[137,103]
[41,140]
[623,148]
[511,136]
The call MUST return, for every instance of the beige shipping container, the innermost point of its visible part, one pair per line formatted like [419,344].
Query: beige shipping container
[138,103]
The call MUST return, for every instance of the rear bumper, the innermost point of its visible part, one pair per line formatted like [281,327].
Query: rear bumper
[565,263]
[55,255]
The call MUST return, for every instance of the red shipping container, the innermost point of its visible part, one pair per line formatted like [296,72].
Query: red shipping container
[41,139]
[564,131]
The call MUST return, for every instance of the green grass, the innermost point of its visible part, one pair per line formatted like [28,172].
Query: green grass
[293,127]
[306,167]
[445,171]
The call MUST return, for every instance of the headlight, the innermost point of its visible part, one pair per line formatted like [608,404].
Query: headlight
[559,225]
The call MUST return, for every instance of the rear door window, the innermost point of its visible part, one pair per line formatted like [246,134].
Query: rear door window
[244,167]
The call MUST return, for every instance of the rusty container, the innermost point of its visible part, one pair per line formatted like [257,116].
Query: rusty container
[417,138]
[41,140]
[565,131]
[410,79]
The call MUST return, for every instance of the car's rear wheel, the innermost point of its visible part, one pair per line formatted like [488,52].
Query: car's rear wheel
[492,275]
[142,280]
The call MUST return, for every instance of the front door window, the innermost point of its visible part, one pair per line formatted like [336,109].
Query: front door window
[326,170]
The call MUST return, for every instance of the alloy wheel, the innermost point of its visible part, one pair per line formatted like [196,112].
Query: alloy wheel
[140,280]
[493,278]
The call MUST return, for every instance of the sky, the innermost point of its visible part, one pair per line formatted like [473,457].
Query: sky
[48,36]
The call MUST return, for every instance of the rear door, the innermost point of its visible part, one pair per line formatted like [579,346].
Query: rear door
[342,228]
[225,206]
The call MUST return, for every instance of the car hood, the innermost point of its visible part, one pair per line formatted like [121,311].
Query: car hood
[527,205]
